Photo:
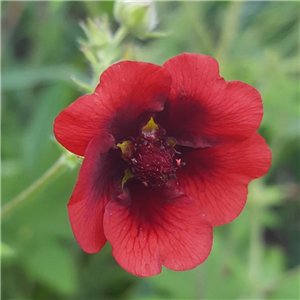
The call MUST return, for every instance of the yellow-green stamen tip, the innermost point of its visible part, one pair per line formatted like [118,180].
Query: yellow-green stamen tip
[150,127]
[127,176]
[125,148]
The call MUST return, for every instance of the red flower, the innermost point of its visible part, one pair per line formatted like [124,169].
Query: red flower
[169,152]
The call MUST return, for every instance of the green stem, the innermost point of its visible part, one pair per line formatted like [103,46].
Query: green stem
[229,29]
[57,169]
[85,87]
[119,36]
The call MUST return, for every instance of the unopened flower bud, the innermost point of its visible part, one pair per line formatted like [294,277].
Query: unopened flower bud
[138,17]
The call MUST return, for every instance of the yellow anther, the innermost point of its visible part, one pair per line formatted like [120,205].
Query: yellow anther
[125,148]
[150,127]
[127,176]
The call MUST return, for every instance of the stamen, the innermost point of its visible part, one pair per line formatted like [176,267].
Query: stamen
[126,148]
[126,177]
[150,128]
[151,157]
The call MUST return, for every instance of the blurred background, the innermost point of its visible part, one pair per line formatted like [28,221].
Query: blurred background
[255,257]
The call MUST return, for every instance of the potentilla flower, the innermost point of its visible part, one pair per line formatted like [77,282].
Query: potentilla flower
[168,154]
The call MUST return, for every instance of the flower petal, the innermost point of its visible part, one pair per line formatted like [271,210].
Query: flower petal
[217,178]
[128,94]
[132,92]
[150,227]
[79,123]
[204,110]
[99,179]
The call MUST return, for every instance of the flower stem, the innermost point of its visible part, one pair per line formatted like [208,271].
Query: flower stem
[120,35]
[57,169]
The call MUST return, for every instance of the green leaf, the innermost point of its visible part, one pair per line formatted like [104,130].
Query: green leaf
[51,264]
[48,105]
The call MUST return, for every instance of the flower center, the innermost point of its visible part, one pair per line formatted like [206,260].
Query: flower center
[152,161]
[151,157]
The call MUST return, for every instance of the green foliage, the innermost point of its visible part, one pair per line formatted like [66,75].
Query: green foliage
[255,257]
[58,270]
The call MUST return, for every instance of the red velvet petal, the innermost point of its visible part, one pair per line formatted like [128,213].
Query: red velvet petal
[149,227]
[204,110]
[131,92]
[79,123]
[99,179]
[128,94]
[217,178]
